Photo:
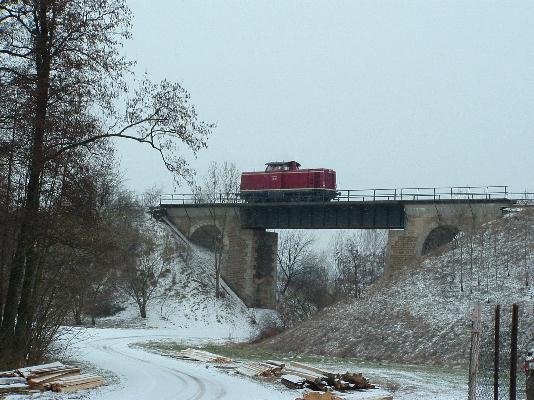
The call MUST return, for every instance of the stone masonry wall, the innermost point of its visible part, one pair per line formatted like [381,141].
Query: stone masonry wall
[249,258]
[405,246]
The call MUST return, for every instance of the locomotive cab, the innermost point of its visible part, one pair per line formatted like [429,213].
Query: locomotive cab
[282,166]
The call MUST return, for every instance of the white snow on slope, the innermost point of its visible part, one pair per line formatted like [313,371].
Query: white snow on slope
[186,302]
[420,314]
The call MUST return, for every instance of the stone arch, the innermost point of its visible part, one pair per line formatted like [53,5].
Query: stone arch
[437,237]
[205,236]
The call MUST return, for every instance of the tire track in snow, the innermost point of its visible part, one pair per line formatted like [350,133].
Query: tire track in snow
[147,375]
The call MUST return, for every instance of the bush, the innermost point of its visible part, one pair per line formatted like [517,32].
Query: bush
[269,324]
[107,309]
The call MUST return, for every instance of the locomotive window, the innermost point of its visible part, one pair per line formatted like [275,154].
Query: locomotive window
[275,168]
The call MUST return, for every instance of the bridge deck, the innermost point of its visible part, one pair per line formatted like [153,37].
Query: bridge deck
[343,215]
[324,215]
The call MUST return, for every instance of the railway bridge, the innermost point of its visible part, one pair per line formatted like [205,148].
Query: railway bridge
[418,220]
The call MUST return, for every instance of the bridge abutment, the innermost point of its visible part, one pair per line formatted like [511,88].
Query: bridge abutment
[428,226]
[249,255]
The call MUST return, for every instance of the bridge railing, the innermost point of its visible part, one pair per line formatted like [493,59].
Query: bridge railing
[370,195]
[194,198]
[426,193]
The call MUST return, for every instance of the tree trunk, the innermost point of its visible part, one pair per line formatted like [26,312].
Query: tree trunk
[142,309]
[77,315]
[217,274]
[23,269]
[8,223]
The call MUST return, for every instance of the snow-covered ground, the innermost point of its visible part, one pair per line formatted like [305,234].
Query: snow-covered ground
[186,311]
[144,375]
[189,313]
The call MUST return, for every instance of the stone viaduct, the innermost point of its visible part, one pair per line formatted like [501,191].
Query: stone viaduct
[416,228]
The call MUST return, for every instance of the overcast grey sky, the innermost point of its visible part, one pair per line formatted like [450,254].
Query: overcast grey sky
[387,93]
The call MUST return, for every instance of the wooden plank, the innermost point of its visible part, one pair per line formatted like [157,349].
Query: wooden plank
[309,368]
[246,371]
[292,381]
[76,378]
[201,355]
[9,381]
[276,363]
[52,376]
[14,388]
[26,372]
[74,388]
[304,374]
[320,396]
[258,369]
[77,383]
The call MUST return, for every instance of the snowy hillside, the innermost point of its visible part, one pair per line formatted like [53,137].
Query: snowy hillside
[420,313]
[186,302]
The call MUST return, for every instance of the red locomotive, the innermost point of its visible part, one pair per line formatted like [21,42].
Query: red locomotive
[284,181]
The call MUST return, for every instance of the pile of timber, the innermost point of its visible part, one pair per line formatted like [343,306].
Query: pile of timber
[13,384]
[54,376]
[261,369]
[201,355]
[295,375]
[319,396]
[322,380]
[331,396]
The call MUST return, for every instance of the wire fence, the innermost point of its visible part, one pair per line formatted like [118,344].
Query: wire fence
[500,375]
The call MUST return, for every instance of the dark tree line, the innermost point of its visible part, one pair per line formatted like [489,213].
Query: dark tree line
[309,280]
[61,81]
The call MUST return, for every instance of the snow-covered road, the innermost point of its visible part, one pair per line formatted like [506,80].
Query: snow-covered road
[146,375]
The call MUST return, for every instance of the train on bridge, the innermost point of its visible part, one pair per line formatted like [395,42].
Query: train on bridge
[285,181]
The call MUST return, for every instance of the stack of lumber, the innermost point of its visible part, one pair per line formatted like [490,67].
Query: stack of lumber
[13,385]
[42,376]
[201,355]
[322,380]
[76,382]
[295,375]
[54,376]
[319,396]
[330,396]
[293,381]
[260,369]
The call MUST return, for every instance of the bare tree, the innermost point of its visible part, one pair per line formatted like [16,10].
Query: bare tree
[152,254]
[219,185]
[60,64]
[308,291]
[293,248]
[359,260]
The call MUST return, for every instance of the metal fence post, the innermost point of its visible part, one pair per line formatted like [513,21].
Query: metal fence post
[497,353]
[474,352]
[513,353]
